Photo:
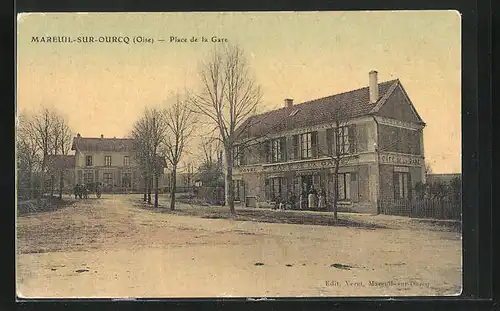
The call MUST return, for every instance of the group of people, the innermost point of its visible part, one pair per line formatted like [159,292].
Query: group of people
[82,190]
[311,200]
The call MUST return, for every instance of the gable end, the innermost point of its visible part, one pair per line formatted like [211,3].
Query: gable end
[399,106]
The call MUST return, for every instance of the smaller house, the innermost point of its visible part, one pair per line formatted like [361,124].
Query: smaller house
[62,164]
[110,161]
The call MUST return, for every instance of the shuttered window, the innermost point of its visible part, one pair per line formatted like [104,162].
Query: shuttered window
[342,140]
[306,145]
[278,147]
[296,152]
[344,186]
[107,160]
[314,144]
[237,156]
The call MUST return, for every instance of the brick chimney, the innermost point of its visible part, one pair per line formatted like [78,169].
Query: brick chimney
[288,102]
[102,136]
[373,77]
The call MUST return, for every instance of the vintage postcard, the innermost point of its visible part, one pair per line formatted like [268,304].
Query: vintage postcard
[238,154]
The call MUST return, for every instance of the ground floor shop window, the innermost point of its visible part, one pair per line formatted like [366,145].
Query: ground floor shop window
[274,188]
[107,178]
[88,177]
[401,185]
[344,186]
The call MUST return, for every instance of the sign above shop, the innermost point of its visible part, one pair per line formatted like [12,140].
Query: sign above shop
[399,159]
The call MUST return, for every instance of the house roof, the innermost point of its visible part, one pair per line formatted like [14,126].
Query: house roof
[350,104]
[102,144]
[62,161]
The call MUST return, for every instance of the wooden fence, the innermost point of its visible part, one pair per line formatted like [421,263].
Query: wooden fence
[421,208]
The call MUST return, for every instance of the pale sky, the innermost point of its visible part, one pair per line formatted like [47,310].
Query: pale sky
[102,88]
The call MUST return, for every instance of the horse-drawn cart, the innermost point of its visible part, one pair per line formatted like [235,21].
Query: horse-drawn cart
[82,190]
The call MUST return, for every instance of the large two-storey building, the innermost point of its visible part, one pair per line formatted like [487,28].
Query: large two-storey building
[283,151]
[110,161]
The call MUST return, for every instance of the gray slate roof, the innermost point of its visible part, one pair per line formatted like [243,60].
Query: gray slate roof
[350,104]
[103,144]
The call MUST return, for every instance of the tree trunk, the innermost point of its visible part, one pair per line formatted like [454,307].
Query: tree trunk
[31,191]
[52,185]
[145,198]
[61,184]
[229,191]
[42,175]
[150,186]
[336,191]
[156,188]
[173,187]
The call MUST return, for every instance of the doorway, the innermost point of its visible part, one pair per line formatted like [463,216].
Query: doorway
[307,182]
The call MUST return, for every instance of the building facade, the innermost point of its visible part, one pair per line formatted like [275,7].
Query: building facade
[110,161]
[375,131]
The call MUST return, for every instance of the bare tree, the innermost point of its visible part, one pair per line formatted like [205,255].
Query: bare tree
[210,147]
[43,124]
[140,143]
[28,159]
[229,96]
[41,137]
[179,120]
[64,139]
[148,134]
[341,141]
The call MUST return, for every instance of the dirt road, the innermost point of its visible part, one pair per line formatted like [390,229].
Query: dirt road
[112,248]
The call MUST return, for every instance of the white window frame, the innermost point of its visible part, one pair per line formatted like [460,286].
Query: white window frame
[87,158]
[276,152]
[305,141]
[107,160]
[236,156]
[343,140]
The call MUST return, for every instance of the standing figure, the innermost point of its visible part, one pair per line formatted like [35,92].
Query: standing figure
[303,199]
[322,199]
[85,190]
[75,190]
[98,189]
[312,198]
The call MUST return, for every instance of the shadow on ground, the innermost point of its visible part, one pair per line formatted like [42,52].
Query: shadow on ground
[440,225]
[264,215]
[32,207]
